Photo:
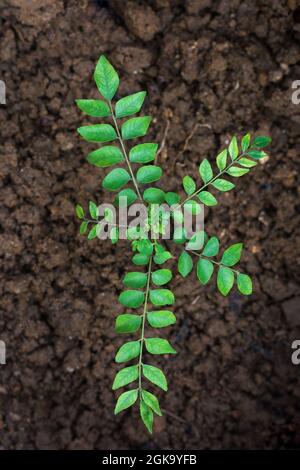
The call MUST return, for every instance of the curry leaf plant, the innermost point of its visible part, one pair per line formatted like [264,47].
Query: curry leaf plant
[146,299]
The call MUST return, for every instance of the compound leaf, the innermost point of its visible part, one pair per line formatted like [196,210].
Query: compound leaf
[148,174]
[130,104]
[106,78]
[205,268]
[244,284]
[143,153]
[156,376]
[185,264]
[205,171]
[115,179]
[160,297]
[135,127]
[128,351]
[132,298]
[105,156]
[233,148]
[137,280]
[232,254]
[97,133]
[94,108]
[151,401]
[159,346]
[161,318]
[126,400]
[225,280]
[146,415]
[125,376]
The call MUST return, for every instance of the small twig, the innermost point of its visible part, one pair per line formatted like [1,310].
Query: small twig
[164,139]
[192,133]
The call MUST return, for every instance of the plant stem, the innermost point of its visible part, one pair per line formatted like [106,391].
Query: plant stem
[211,181]
[124,151]
[214,262]
[142,339]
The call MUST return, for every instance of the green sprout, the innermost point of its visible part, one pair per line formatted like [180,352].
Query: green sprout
[146,294]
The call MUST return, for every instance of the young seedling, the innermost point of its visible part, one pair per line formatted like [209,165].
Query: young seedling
[146,292]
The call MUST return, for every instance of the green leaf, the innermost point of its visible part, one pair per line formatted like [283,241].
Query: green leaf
[151,401]
[93,232]
[125,197]
[256,154]
[261,141]
[232,254]
[196,242]
[83,228]
[115,179]
[126,400]
[223,185]
[189,185]
[156,376]
[94,108]
[233,148]
[185,264]
[146,415]
[145,247]
[132,298]
[225,280]
[172,198]
[245,142]
[135,127]
[161,318]
[140,260]
[237,171]
[161,258]
[130,104]
[192,207]
[222,160]
[207,198]
[244,284]
[93,210]
[247,162]
[154,196]
[128,351]
[143,153]
[137,280]
[205,268]
[161,277]
[128,323]
[125,376]
[114,235]
[79,211]
[179,235]
[161,297]
[106,78]
[97,133]
[105,156]
[205,171]
[212,247]
[159,346]
[148,174]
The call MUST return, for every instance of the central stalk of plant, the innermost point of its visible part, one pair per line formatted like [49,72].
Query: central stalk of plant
[124,151]
[142,339]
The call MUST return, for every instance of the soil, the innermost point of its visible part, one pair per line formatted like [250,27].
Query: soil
[212,69]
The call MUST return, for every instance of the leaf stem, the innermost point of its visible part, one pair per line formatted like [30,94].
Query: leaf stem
[214,262]
[212,180]
[142,339]
[124,151]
